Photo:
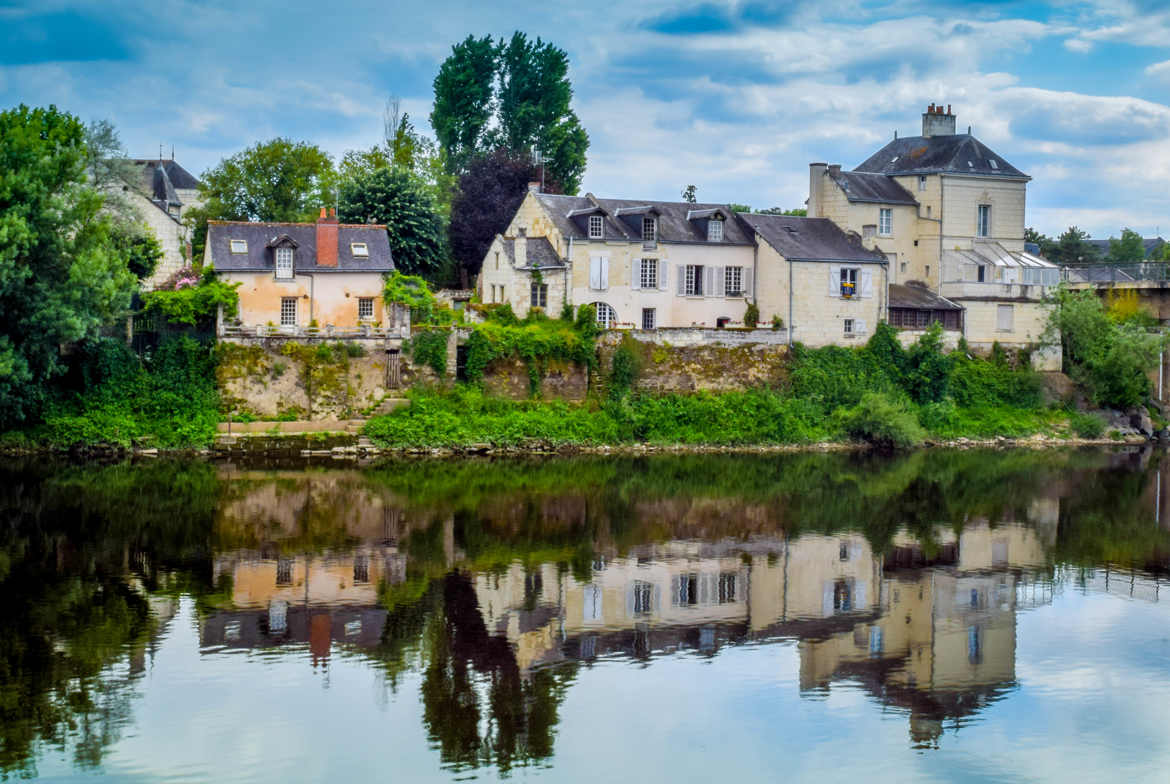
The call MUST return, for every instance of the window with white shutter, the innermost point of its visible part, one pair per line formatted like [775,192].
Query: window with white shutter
[1004,318]
[835,281]
[663,275]
[867,283]
[733,281]
[599,273]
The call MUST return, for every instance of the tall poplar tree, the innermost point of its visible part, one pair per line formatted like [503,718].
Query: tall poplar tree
[465,99]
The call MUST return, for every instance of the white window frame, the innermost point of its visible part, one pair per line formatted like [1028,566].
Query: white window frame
[606,315]
[596,227]
[649,229]
[733,281]
[648,275]
[714,230]
[288,319]
[983,220]
[849,326]
[693,286]
[359,250]
[364,304]
[284,263]
[649,318]
[238,246]
[538,295]
[921,182]
[851,275]
[885,222]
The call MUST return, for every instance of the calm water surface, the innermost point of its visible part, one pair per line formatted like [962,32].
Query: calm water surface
[943,616]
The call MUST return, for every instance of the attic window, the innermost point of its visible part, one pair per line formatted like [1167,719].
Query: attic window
[894,159]
[596,227]
[994,165]
[239,246]
[970,165]
[359,249]
[649,231]
[715,230]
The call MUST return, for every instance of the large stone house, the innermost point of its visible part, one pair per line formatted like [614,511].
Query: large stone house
[165,192]
[297,278]
[948,213]
[650,264]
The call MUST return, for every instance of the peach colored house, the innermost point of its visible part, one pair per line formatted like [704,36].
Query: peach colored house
[297,278]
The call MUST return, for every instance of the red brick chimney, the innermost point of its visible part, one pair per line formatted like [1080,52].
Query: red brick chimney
[327,239]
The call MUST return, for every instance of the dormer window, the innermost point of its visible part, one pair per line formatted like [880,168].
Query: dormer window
[360,250]
[596,227]
[284,263]
[238,246]
[649,230]
[715,230]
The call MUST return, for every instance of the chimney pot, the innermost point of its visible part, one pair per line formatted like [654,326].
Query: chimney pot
[332,212]
[322,213]
[948,108]
[834,169]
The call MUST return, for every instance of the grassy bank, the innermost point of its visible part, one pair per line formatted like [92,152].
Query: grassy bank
[880,394]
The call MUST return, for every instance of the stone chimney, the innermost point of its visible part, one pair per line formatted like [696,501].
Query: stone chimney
[520,247]
[327,239]
[816,184]
[937,122]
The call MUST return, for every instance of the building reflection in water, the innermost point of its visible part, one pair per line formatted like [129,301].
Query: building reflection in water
[928,627]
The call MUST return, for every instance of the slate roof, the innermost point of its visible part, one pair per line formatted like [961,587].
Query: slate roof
[160,179]
[810,239]
[540,253]
[673,224]
[919,298]
[875,188]
[958,153]
[261,258]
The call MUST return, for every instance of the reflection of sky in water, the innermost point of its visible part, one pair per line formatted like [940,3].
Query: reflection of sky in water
[1093,686]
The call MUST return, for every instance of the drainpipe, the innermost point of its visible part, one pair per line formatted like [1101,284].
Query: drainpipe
[569,269]
[789,303]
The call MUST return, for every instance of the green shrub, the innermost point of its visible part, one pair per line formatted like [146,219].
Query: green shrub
[751,316]
[882,421]
[194,304]
[1086,425]
[624,368]
[429,347]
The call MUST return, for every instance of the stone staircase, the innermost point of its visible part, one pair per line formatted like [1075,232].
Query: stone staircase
[389,404]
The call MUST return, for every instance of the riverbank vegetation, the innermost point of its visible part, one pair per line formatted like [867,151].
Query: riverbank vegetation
[881,393]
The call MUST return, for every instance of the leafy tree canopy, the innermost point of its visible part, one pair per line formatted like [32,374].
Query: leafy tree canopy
[394,197]
[799,212]
[1127,250]
[277,180]
[524,86]
[489,194]
[465,99]
[61,275]
[690,194]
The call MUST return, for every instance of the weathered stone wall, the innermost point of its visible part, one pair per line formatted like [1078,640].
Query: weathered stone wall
[715,360]
[273,378]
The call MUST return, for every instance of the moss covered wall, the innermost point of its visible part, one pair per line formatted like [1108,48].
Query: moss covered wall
[734,365]
[275,378]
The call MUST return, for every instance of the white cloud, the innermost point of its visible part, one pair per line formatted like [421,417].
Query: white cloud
[1079,45]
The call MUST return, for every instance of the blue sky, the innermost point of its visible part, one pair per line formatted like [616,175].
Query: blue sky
[736,98]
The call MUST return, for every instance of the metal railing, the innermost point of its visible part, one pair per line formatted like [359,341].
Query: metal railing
[1149,271]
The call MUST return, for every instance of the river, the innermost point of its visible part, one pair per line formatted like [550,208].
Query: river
[945,615]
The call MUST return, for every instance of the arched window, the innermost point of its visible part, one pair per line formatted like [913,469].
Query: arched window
[606,316]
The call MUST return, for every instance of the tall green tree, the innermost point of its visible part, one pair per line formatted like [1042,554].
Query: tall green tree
[534,108]
[465,99]
[1127,250]
[394,197]
[277,180]
[61,276]
[1072,248]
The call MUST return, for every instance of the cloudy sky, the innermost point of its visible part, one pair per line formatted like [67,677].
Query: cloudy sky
[736,98]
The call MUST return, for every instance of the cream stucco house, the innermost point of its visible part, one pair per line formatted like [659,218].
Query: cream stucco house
[948,213]
[653,264]
[297,276]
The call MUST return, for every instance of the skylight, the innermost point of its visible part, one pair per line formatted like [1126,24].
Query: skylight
[994,165]
[239,246]
[359,249]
